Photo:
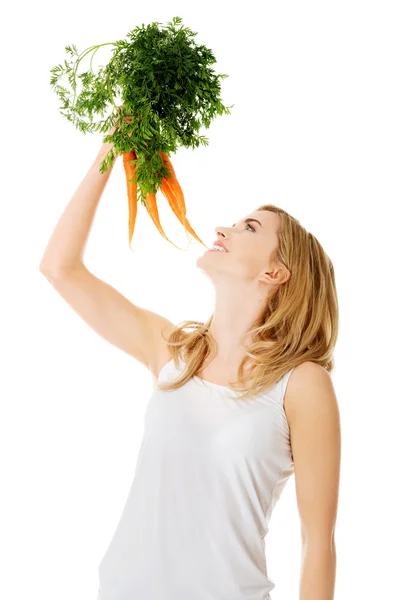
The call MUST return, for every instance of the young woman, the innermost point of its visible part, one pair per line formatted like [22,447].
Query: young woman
[240,403]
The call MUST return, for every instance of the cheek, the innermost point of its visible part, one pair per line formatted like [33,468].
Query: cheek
[251,253]
[245,262]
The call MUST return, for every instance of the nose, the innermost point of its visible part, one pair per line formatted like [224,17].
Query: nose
[221,231]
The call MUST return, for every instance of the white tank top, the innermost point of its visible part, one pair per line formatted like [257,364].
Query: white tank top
[209,472]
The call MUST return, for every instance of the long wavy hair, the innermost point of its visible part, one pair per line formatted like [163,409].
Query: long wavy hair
[298,323]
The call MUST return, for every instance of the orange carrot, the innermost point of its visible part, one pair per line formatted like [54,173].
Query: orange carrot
[131,185]
[176,190]
[173,179]
[151,206]
[170,185]
[168,192]
[172,201]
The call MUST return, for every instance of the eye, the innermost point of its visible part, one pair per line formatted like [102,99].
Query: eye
[248,225]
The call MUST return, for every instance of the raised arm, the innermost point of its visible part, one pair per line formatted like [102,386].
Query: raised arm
[133,329]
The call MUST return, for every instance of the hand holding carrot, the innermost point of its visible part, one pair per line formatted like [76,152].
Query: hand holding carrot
[113,128]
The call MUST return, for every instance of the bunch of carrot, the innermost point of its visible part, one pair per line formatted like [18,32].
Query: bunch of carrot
[169,187]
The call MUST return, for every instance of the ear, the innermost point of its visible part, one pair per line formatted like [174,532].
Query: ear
[275,277]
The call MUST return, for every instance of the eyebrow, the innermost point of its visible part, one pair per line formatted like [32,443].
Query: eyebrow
[249,221]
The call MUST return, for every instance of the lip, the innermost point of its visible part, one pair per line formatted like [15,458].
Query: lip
[218,243]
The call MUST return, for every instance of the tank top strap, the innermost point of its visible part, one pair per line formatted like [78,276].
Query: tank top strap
[167,369]
[284,382]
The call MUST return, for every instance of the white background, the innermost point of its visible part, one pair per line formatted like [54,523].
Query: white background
[314,129]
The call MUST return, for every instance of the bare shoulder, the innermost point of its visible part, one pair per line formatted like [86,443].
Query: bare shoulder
[314,422]
[309,391]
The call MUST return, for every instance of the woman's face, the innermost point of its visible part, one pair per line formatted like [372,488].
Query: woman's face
[250,243]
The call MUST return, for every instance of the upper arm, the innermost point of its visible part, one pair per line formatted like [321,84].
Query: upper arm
[314,422]
[129,327]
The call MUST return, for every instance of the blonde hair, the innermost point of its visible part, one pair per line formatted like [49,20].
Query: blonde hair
[299,322]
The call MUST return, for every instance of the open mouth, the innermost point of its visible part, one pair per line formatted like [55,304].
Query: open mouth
[217,249]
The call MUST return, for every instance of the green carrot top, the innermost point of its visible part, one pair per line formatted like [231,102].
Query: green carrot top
[162,79]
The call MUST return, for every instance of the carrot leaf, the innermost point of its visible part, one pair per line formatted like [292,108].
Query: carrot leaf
[162,79]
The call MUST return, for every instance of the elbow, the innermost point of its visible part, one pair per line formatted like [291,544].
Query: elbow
[51,271]
[45,268]
[58,269]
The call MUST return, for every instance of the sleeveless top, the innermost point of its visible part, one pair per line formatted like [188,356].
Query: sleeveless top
[209,472]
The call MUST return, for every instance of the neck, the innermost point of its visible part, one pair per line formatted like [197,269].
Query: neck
[234,314]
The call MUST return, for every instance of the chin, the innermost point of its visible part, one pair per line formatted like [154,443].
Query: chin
[203,261]
[199,259]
